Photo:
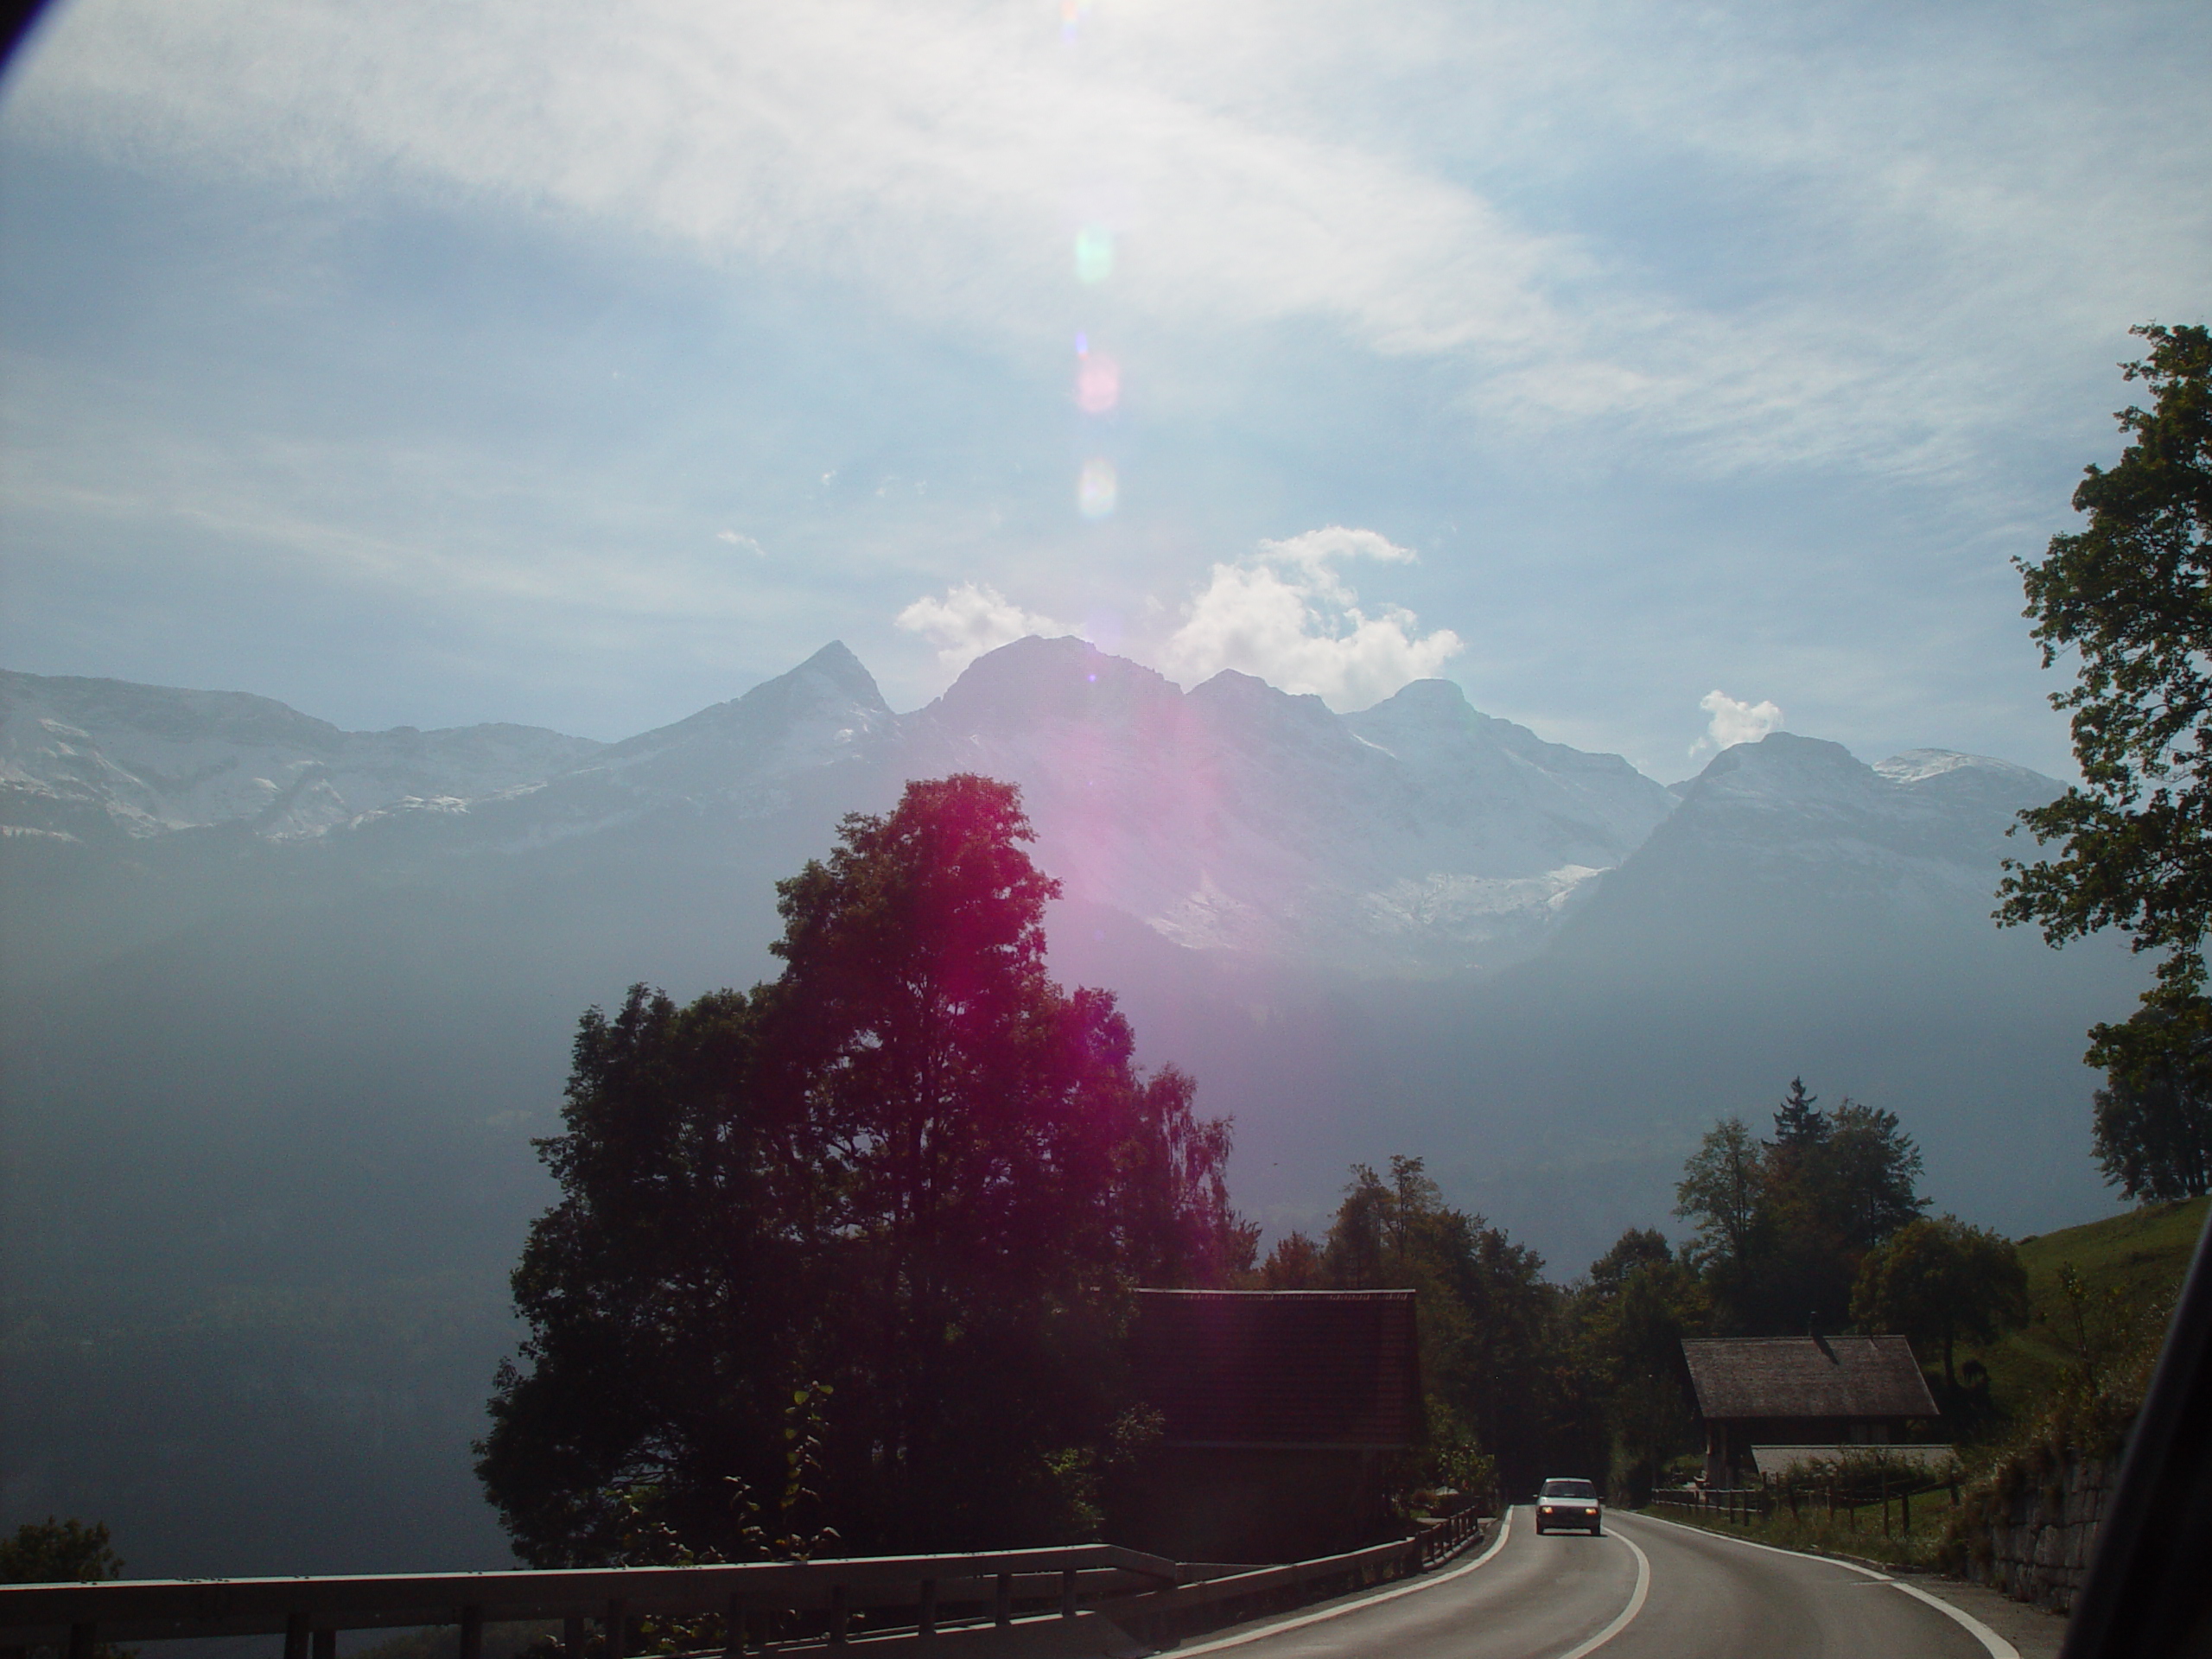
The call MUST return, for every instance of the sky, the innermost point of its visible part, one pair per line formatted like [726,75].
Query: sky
[1661,373]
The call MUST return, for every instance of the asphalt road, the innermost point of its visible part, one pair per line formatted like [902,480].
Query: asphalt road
[1644,1590]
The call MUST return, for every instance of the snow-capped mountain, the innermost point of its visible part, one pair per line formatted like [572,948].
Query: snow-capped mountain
[1234,816]
[1416,836]
[1797,819]
[89,757]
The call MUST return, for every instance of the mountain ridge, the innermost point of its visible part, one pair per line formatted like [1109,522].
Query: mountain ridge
[1417,836]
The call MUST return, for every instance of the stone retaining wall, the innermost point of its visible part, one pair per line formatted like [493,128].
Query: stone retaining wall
[2032,1534]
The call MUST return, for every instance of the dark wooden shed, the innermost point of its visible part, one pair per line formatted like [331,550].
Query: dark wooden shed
[1282,1412]
[1802,1391]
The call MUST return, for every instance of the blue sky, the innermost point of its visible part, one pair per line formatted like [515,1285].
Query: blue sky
[582,364]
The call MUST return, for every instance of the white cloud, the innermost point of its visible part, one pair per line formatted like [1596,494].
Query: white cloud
[972,619]
[743,542]
[1265,164]
[1734,722]
[1285,616]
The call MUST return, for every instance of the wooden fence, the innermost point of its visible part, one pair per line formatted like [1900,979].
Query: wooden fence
[757,1604]
[1746,1503]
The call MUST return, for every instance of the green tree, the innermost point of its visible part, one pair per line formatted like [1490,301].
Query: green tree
[1865,1177]
[58,1552]
[1723,1192]
[666,1294]
[2153,1135]
[1784,1224]
[1637,1304]
[1496,1356]
[1939,1280]
[909,1184]
[2130,595]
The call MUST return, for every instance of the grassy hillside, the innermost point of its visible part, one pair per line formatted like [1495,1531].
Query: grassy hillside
[2129,1262]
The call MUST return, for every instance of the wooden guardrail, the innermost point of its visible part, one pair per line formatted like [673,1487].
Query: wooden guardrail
[308,1612]
[1837,1498]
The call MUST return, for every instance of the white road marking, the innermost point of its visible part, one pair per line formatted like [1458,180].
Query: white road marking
[1635,1604]
[1505,1531]
[1998,1646]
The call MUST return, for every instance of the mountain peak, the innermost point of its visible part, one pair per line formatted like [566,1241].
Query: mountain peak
[836,667]
[1067,678]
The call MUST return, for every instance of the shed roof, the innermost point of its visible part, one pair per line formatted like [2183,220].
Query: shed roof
[1306,1368]
[1739,1377]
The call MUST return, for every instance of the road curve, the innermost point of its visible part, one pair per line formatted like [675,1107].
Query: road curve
[1646,1589]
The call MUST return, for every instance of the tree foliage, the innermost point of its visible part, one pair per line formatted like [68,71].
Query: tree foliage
[1639,1302]
[1504,1390]
[58,1552]
[893,1202]
[1784,1224]
[1938,1281]
[2130,595]
[2153,1124]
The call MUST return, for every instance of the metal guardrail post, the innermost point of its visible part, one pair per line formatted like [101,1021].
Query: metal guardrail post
[80,1641]
[572,1637]
[1002,1601]
[471,1632]
[841,1613]
[1067,1592]
[295,1638]
[325,1645]
[927,1623]
[617,1636]
[733,1629]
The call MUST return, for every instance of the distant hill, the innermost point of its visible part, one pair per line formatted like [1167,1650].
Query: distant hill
[2140,1257]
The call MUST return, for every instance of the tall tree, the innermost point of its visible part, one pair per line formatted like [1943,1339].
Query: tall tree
[1939,1282]
[2153,1123]
[664,1293]
[2130,596]
[1784,1224]
[904,1192]
[1639,1302]
[1495,1357]
[1723,1191]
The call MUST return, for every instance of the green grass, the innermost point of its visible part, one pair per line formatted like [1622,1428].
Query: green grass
[2142,1256]
[1858,1536]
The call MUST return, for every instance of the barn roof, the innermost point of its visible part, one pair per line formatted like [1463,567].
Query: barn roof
[1739,1377]
[1307,1369]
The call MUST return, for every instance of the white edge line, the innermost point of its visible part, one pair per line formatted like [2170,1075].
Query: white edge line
[1505,1530]
[1998,1646]
[1635,1602]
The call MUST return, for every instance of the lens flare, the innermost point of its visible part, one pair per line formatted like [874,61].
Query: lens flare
[1072,12]
[1094,494]
[1097,383]
[1094,253]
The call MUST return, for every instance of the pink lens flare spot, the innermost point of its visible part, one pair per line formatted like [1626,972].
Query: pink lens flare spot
[1094,254]
[1095,493]
[1098,383]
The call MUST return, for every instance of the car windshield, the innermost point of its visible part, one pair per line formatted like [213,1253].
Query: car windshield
[1569,1489]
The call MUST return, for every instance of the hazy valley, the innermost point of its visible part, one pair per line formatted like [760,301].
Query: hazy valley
[285,1005]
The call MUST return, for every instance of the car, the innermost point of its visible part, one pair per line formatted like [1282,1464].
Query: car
[1571,1504]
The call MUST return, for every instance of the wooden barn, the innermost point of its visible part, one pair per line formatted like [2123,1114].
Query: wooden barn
[1803,1393]
[1283,1415]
